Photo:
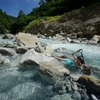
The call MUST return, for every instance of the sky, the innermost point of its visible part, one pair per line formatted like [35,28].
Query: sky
[12,7]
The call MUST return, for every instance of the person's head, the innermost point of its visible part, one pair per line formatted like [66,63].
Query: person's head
[81,59]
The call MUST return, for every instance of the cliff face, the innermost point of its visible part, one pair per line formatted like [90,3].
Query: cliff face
[84,22]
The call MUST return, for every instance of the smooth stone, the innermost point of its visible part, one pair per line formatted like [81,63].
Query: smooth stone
[7,51]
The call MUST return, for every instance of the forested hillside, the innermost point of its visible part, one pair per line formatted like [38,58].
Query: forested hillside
[56,7]
[5,22]
[47,8]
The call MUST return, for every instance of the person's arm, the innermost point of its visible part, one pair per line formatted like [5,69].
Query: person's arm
[73,54]
[59,58]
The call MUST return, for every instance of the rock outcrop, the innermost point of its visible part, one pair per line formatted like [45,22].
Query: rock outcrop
[92,85]
[75,24]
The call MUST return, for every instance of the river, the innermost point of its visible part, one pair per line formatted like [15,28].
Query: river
[17,83]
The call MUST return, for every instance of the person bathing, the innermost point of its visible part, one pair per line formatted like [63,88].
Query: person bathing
[77,62]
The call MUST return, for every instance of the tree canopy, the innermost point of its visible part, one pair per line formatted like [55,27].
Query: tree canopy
[5,22]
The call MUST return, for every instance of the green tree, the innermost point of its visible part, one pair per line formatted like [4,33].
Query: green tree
[21,13]
[5,22]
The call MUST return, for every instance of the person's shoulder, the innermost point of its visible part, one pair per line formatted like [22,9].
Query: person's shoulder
[67,60]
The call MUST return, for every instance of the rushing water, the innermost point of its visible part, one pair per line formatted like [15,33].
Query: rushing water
[18,83]
[91,53]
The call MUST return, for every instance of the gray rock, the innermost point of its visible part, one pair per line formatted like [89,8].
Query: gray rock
[10,44]
[76,95]
[6,61]
[93,42]
[62,33]
[21,50]
[7,51]
[8,36]
[3,96]
[51,71]
[39,48]
[27,40]
[69,40]
[49,50]
[73,36]
[96,38]
[62,97]
[22,91]
[68,85]
[59,37]
[84,95]
[1,59]
[59,86]
[74,86]
[94,97]
[32,57]
[75,41]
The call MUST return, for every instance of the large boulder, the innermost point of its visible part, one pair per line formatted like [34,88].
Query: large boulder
[27,40]
[32,57]
[51,72]
[92,85]
[7,51]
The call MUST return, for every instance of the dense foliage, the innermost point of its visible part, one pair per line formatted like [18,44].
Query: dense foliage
[56,7]
[49,8]
[5,22]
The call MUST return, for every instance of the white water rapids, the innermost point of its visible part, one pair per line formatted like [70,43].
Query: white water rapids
[91,53]
[21,84]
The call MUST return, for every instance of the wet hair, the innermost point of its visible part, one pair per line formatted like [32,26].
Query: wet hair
[81,59]
[63,56]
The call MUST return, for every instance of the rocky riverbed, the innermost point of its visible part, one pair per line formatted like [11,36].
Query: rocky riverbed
[29,70]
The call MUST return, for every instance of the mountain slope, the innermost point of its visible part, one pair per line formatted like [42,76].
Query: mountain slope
[84,22]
